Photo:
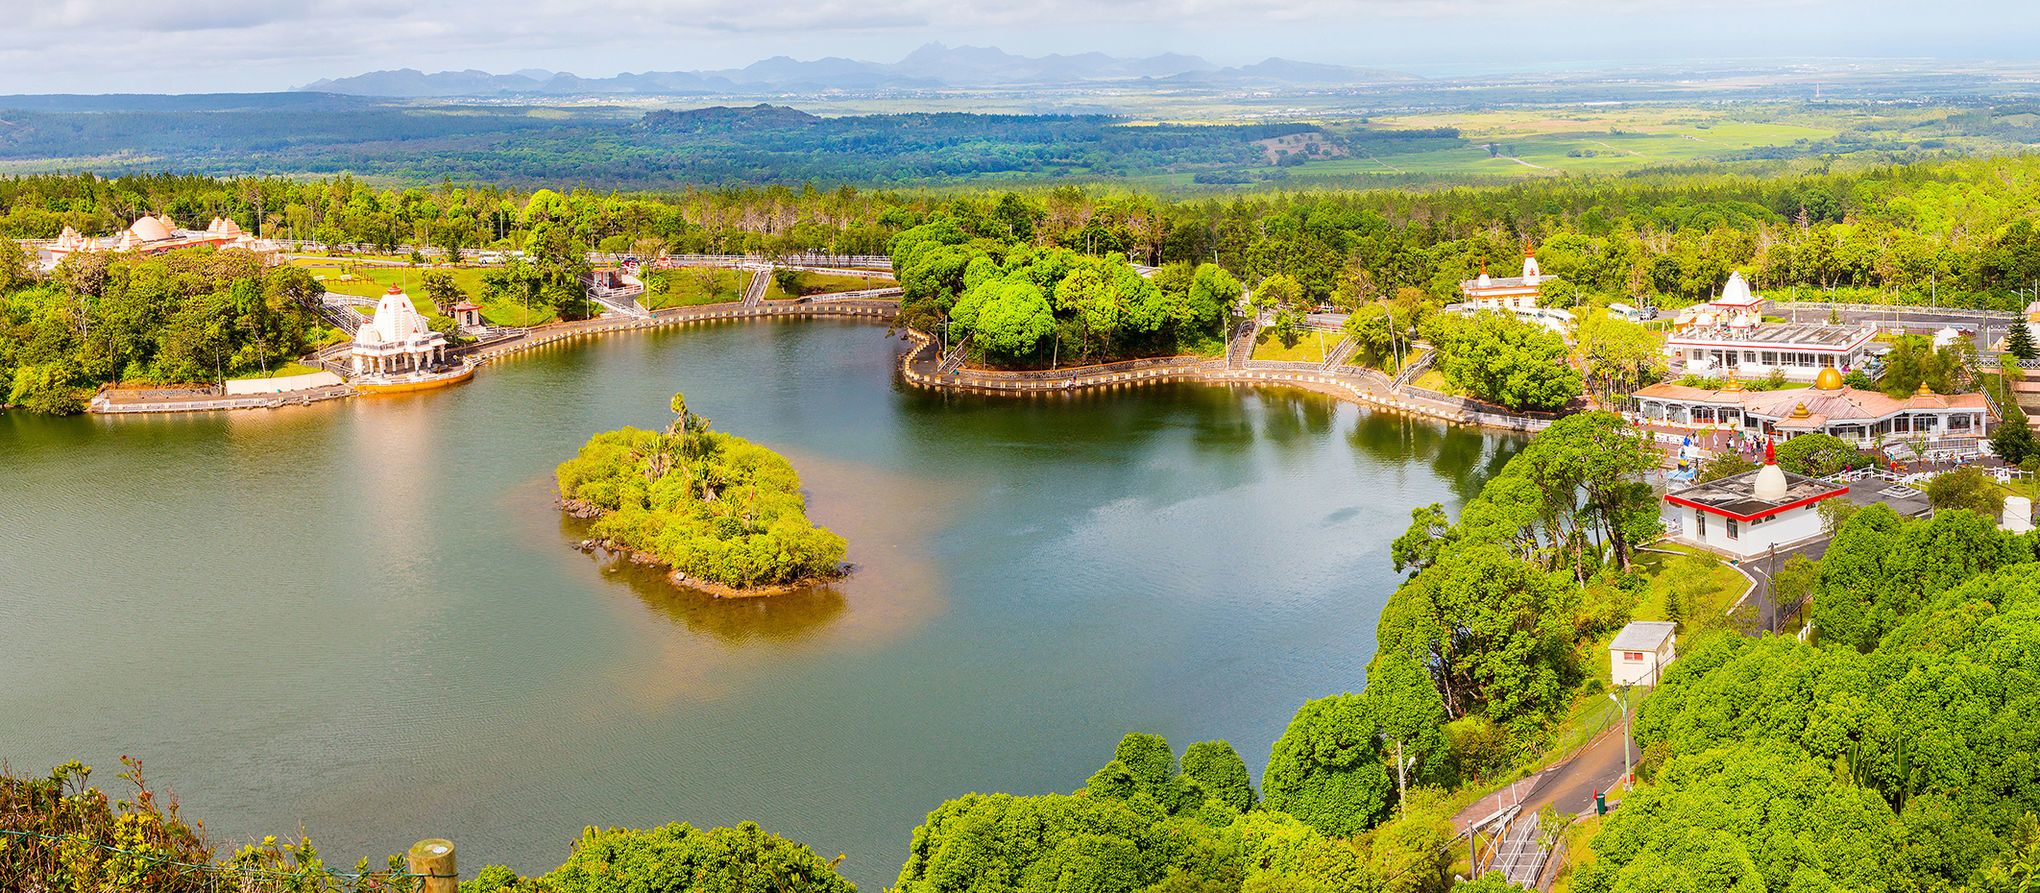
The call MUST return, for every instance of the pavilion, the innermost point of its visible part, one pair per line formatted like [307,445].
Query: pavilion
[1745,515]
[397,341]
[1828,407]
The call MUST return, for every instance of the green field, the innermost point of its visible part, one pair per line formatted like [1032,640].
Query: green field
[1529,143]
[700,285]
[828,284]
[373,282]
[1310,347]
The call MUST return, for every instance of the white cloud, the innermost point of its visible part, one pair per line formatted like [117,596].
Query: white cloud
[156,46]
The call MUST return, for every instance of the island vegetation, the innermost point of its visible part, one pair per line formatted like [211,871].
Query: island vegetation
[1885,750]
[724,513]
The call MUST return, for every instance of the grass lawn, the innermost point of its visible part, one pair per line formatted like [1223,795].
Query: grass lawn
[1579,852]
[1704,586]
[828,284]
[372,282]
[284,371]
[1310,347]
[510,313]
[702,285]
[1432,379]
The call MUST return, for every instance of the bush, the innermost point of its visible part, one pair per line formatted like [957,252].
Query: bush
[1328,769]
[1966,487]
[675,858]
[1819,455]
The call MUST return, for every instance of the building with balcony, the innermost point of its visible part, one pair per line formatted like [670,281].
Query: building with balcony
[1828,407]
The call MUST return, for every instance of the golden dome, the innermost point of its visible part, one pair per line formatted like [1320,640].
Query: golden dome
[1799,412]
[1924,391]
[1829,379]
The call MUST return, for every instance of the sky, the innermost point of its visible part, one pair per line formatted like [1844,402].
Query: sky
[182,46]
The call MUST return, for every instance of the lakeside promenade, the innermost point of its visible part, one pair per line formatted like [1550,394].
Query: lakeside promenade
[921,367]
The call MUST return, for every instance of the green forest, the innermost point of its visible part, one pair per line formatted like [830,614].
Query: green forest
[1037,276]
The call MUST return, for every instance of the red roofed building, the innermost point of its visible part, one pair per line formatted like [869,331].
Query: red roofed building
[1744,515]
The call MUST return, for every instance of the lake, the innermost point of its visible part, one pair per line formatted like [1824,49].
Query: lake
[366,618]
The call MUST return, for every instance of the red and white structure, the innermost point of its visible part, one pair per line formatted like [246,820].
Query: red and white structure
[1744,515]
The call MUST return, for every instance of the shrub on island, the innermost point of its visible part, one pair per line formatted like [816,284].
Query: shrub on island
[713,506]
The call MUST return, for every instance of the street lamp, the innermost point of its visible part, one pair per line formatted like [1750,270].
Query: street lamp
[1623,702]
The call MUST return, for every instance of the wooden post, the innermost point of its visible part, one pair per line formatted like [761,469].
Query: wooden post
[433,858]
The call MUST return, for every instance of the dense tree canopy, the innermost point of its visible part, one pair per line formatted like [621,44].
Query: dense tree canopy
[193,316]
[675,858]
[1499,359]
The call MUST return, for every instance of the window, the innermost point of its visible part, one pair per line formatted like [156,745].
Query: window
[1732,531]
[1632,655]
[1699,524]
[1770,358]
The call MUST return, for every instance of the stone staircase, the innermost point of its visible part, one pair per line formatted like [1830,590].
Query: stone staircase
[1240,347]
[1341,352]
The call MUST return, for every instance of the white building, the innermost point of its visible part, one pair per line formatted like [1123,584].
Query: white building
[1514,295]
[1866,418]
[1640,652]
[1727,336]
[1744,515]
[397,341]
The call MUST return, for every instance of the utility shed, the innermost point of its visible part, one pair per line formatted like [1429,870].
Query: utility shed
[1640,652]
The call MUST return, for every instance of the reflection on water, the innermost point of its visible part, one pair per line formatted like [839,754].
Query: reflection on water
[367,618]
[787,617]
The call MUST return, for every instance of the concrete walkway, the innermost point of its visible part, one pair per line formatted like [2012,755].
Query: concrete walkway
[1568,786]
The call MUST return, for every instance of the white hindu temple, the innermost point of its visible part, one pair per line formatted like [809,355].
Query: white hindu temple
[397,341]
[1728,335]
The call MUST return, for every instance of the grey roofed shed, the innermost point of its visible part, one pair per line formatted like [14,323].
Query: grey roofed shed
[1643,635]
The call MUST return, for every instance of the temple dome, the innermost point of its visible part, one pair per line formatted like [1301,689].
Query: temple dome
[1829,379]
[1736,293]
[150,229]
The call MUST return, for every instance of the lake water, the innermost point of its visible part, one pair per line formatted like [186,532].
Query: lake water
[366,619]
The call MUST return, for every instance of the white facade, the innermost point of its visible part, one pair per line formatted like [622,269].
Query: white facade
[397,341]
[1748,537]
[1640,652]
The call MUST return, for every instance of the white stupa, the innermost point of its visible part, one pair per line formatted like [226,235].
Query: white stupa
[1770,484]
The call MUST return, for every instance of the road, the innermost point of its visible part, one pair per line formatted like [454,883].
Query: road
[1567,787]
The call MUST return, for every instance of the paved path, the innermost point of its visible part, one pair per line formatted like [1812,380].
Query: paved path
[1567,787]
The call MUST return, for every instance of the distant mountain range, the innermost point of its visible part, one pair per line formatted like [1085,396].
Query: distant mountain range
[932,66]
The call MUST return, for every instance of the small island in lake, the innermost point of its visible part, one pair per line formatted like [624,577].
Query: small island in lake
[724,513]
